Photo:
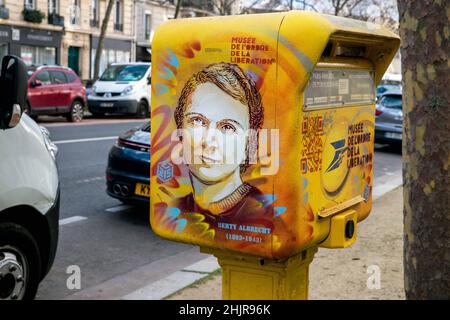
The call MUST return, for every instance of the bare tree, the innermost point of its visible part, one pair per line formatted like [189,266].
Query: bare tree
[177,9]
[224,7]
[426,148]
[101,39]
[301,4]
[345,7]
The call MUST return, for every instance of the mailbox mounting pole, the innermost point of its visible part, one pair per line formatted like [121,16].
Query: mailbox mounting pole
[251,278]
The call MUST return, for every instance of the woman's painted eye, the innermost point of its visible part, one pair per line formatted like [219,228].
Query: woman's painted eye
[228,128]
[197,122]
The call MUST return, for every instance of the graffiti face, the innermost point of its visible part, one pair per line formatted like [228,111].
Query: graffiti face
[215,135]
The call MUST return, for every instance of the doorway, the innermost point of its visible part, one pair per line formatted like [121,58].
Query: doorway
[74,59]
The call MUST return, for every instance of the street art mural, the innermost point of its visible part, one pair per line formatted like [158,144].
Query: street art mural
[252,138]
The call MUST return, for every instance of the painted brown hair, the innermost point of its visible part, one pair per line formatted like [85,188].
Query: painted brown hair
[231,79]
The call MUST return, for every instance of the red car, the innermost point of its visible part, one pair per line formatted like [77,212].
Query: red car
[55,90]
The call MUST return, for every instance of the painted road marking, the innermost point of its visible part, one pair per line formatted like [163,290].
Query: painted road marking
[91,180]
[84,140]
[162,288]
[118,208]
[176,281]
[71,220]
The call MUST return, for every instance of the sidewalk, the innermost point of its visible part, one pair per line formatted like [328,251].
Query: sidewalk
[344,273]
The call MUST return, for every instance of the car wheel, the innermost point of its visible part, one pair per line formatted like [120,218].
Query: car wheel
[76,112]
[142,110]
[20,263]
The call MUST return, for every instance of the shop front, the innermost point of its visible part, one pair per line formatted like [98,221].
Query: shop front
[34,46]
[5,39]
[114,50]
[143,53]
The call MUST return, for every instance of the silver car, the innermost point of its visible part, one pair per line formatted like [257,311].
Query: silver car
[389,118]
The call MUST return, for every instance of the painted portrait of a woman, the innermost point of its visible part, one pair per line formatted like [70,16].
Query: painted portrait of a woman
[220,112]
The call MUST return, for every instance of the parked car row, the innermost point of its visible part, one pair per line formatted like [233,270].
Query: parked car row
[128,170]
[56,90]
[122,88]
[389,115]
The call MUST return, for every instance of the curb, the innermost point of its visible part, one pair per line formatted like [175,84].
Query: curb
[176,281]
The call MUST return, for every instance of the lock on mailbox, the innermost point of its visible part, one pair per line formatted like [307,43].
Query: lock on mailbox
[262,135]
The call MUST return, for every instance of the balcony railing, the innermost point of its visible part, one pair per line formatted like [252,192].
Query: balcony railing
[4,12]
[94,23]
[118,26]
[55,19]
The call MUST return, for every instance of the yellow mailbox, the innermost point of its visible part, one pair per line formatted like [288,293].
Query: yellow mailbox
[262,135]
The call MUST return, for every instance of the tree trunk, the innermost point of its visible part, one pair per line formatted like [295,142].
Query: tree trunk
[101,39]
[177,9]
[424,30]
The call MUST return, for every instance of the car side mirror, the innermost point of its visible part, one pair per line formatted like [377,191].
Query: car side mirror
[13,91]
[149,80]
[36,83]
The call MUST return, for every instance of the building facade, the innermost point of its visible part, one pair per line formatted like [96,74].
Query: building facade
[83,20]
[27,31]
[66,32]
[148,16]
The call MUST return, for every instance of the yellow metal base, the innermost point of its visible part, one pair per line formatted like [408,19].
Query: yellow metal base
[252,278]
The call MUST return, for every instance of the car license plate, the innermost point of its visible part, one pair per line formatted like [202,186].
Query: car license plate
[142,190]
[106,104]
[393,135]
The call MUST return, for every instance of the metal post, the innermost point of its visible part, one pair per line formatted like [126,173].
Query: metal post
[253,278]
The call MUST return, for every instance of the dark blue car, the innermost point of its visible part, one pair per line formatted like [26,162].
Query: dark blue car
[128,171]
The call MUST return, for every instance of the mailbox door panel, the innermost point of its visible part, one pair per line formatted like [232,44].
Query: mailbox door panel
[326,147]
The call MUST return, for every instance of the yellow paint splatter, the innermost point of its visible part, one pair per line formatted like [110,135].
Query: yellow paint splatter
[419,143]
[410,23]
[423,34]
[418,92]
[438,39]
[408,90]
[431,72]
[447,164]
[428,189]
[420,74]
[414,162]
[414,262]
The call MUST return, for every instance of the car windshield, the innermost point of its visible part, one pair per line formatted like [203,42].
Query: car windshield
[30,71]
[124,73]
[392,101]
[146,127]
[388,87]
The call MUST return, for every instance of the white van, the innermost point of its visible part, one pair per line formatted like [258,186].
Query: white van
[29,190]
[122,88]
